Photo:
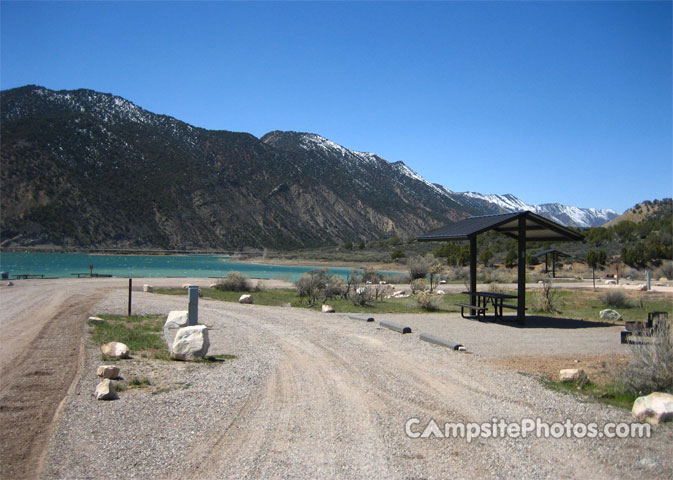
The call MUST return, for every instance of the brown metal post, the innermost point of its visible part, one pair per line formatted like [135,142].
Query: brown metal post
[473,271]
[521,264]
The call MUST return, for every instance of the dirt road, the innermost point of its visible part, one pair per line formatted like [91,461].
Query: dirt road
[39,359]
[314,395]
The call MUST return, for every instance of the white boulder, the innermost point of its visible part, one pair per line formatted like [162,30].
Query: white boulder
[611,282]
[608,314]
[177,319]
[327,309]
[108,371]
[642,287]
[572,375]
[148,288]
[105,391]
[96,320]
[191,343]
[655,408]
[245,299]
[115,350]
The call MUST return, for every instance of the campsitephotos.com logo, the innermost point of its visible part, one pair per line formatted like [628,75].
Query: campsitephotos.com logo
[527,427]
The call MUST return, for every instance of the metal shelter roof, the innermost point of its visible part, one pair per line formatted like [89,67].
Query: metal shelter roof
[545,252]
[537,228]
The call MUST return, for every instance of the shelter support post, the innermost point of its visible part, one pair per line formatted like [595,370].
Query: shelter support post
[521,267]
[473,271]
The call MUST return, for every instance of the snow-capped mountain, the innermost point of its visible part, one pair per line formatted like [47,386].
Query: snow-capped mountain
[564,214]
[87,169]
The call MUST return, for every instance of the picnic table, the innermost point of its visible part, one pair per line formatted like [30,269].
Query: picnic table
[483,300]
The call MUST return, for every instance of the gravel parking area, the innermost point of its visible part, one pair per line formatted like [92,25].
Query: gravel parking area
[314,395]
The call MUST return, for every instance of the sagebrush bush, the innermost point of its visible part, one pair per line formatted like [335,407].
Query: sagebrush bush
[616,299]
[666,270]
[427,301]
[235,282]
[417,285]
[650,368]
[361,296]
[458,273]
[317,285]
[545,301]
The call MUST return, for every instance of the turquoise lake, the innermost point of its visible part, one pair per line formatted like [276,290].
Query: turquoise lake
[64,265]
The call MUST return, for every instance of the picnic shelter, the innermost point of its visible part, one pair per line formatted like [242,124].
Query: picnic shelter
[553,254]
[522,226]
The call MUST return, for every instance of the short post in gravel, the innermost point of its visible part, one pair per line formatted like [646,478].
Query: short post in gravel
[193,309]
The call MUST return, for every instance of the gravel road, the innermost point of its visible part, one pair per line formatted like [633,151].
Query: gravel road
[314,395]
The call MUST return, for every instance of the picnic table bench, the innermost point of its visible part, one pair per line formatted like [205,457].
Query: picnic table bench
[485,298]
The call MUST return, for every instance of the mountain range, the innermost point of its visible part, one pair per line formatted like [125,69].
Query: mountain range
[85,169]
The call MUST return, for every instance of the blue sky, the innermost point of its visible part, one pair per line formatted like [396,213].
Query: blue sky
[564,102]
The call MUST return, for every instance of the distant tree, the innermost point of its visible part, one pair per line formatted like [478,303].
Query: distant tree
[511,258]
[485,257]
[455,254]
[435,271]
[361,246]
[397,254]
[598,236]
[594,259]
[348,245]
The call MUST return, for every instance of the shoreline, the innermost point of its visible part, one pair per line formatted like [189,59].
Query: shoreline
[386,267]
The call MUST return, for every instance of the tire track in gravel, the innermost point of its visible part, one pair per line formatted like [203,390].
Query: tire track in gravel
[37,379]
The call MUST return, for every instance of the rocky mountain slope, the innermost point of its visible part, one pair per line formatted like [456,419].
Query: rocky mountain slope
[87,169]
[82,168]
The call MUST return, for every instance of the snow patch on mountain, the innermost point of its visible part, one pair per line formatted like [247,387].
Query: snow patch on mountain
[564,214]
[406,171]
[311,141]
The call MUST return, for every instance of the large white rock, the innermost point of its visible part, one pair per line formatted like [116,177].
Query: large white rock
[148,288]
[96,320]
[105,390]
[327,309]
[572,375]
[245,299]
[108,371]
[655,408]
[608,314]
[115,350]
[177,319]
[191,343]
